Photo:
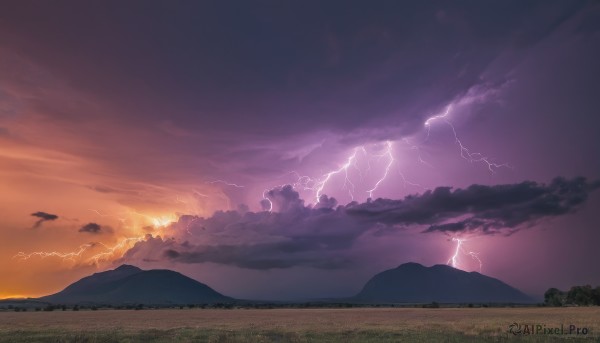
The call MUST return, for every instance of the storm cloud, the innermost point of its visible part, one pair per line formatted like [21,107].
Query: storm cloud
[488,209]
[323,237]
[91,228]
[43,217]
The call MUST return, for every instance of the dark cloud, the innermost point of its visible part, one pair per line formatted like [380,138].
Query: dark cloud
[488,209]
[43,217]
[264,256]
[323,237]
[171,253]
[326,202]
[314,61]
[284,199]
[91,228]
[339,74]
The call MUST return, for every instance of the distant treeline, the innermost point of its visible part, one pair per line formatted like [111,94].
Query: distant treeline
[51,307]
[577,295]
[244,305]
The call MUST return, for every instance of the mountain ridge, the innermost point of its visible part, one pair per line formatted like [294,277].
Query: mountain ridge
[414,283]
[131,285]
[408,283]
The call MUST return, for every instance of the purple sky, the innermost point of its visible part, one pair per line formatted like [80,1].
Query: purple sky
[132,123]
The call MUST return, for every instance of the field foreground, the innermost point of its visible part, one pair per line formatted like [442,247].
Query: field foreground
[303,325]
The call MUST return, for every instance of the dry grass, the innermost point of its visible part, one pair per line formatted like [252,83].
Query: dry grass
[295,325]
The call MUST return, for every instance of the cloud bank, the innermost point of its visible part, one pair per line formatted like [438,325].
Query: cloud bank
[324,236]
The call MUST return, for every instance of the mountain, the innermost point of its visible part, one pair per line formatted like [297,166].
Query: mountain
[414,283]
[132,285]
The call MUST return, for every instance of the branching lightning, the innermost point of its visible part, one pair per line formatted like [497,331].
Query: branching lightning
[344,168]
[464,151]
[454,259]
[109,251]
[388,154]
[65,256]
[121,219]
[317,186]
[418,150]
[303,182]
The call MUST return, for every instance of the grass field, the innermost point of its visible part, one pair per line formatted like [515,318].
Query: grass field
[297,325]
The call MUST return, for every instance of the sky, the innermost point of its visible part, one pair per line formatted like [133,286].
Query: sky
[291,150]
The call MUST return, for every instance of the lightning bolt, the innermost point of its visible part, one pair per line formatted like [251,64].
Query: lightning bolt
[344,168]
[303,182]
[387,153]
[65,256]
[268,200]
[187,227]
[121,219]
[418,150]
[475,256]
[464,151]
[200,194]
[226,183]
[109,251]
[317,186]
[453,260]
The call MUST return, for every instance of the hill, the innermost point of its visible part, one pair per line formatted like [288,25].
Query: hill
[414,283]
[131,285]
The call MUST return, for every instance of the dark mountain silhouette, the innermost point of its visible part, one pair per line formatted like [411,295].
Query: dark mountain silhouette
[414,283]
[132,285]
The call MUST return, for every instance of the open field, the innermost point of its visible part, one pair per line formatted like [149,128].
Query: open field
[296,325]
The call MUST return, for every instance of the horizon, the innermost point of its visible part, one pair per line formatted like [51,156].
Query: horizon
[295,148]
[535,298]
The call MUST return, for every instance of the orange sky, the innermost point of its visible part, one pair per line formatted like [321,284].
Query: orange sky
[67,168]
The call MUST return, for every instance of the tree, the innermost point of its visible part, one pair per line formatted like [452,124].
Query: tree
[554,297]
[596,296]
[581,295]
